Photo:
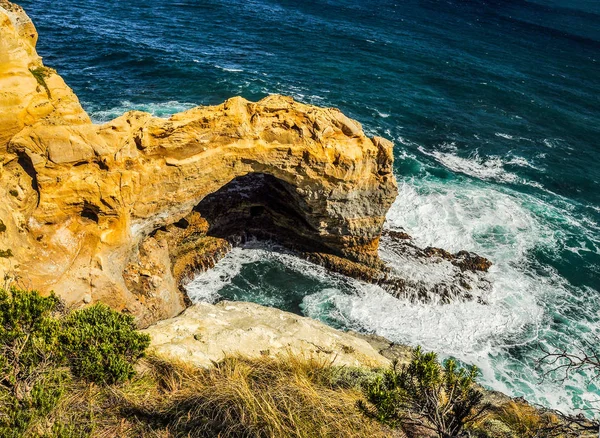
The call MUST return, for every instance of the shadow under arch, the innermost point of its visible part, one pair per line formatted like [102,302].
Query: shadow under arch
[259,205]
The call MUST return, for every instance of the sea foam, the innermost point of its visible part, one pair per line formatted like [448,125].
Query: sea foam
[158,109]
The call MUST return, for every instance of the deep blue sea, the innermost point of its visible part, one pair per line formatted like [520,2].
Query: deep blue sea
[494,109]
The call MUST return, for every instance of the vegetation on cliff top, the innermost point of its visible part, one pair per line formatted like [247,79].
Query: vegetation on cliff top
[426,395]
[42,349]
[84,373]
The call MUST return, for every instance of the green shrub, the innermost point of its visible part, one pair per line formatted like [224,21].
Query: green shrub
[426,395]
[28,337]
[101,344]
[39,345]
[31,381]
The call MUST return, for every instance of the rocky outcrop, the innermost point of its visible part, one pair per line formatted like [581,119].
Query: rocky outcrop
[431,274]
[124,212]
[29,92]
[206,333]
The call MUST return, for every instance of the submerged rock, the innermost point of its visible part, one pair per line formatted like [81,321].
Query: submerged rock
[431,274]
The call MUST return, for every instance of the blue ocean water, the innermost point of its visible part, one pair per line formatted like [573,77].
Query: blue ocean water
[494,108]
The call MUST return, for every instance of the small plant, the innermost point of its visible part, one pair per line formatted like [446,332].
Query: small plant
[2,226]
[425,394]
[13,192]
[40,74]
[6,253]
[101,344]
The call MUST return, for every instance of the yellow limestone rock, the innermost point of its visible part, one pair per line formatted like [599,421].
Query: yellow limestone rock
[124,212]
[29,92]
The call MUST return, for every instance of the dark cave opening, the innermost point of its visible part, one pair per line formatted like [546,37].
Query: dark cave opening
[260,206]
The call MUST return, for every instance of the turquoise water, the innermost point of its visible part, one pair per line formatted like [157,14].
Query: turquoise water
[494,108]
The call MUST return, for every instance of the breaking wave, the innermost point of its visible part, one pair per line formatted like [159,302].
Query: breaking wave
[162,109]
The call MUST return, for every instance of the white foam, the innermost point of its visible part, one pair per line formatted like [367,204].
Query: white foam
[506,227]
[522,162]
[161,109]
[495,222]
[205,287]
[230,69]
[490,168]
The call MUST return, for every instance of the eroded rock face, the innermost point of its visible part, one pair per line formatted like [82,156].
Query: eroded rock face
[91,211]
[206,333]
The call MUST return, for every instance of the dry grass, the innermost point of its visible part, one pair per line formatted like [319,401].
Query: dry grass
[270,398]
[525,419]
[517,419]
[240,397]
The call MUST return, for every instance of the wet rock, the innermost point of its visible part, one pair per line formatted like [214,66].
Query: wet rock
[431,274]
[466,261]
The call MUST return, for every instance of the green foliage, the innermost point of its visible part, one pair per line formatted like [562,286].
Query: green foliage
[13,192]
[30,380]
[39,345]
[28,336]
[101,344]
[40,74]
[5,253]
[425,394]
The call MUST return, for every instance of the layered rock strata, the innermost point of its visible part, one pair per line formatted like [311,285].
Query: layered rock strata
[124,212]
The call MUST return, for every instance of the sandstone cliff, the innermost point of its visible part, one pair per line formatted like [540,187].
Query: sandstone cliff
[124,212]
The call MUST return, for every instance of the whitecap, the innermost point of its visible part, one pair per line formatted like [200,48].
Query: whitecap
[230,69]
[523,162]
[490,168]
[158,109]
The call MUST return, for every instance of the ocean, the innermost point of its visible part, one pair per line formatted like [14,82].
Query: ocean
[494,109]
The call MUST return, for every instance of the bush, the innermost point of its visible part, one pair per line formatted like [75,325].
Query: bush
[425,394]
[101,344]
[30,356]
[39,345]
[28,339]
